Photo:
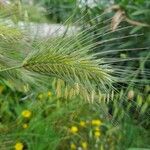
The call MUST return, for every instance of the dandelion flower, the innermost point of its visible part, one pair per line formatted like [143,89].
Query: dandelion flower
[97,134]
[74,129]
[25,125]
[96,122]
[84,145]
[19,146]
[26,113]
[82,123]
[73,146]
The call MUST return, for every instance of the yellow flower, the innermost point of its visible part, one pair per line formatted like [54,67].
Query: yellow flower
[18,146]
[74,129]
[26,113]
[82,123]
[84,145]
[49,94]
[73,146]
[97,134]
[25,125]
[96,122]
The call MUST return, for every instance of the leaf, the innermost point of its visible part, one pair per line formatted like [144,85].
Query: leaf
[144,108]
[139,100]
[139,12]
[135,29]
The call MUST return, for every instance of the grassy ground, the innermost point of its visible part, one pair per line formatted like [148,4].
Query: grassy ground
[44,121]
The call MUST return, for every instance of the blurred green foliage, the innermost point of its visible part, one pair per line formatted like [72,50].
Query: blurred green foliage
[18,11]
[59,10]
[51,122]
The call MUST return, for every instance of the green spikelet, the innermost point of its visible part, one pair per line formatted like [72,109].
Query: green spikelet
[71,68]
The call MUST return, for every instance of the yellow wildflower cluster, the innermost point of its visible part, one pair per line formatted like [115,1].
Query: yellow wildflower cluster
[74,129]
[44,95]
[82,123]
[97,134]
[86,127]
[72,146]
[96,122]
[19,146]
[84,145]
[26,113]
